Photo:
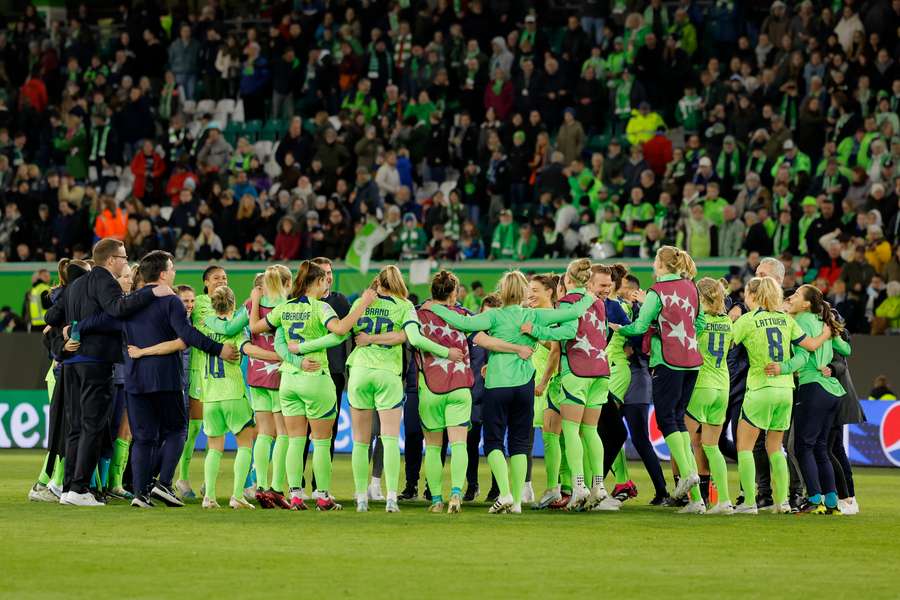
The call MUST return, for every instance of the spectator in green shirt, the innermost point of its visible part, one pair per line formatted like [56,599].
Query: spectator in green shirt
[526,244]
[636,215]
[73,141]
[713,204]
[506,235]
[412,238]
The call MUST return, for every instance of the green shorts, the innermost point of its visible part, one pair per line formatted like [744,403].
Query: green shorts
[439,411]
[553,395]
[619,380]
[310,396]
[226,415]
[589,392]
[195,384]
[708,405]
[374,389]
[769,408]
[264,400]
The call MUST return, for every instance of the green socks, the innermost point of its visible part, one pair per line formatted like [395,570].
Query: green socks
[433,472]
[294,461]
[689,457]
[747,472]
[359,461]
[779,468]
[552,457]
[459,463]
[322,463]
[261,452]
[594,447]
[565,473]
[718,470]
[391,462]
[43,478]
[518,468]
[119,460]
[211,471]
[620,467]
[59,471]
[501,472]
[184,471]
[241,468]
[279,465]
[574,450]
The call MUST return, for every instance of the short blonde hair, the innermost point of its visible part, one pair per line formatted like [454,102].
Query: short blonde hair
[579,271]
[513,288]
[390,279]
[222,300]
[677,261]
[712,295]
[766,293]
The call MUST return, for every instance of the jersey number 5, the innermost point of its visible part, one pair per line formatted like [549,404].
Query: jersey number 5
[776,346]
[293,332]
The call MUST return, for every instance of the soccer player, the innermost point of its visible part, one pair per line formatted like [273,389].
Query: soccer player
[214,277]
[705,413]
[584,378]
[818,398]
[769,336]
[508,411]
[264,380]
[673,308]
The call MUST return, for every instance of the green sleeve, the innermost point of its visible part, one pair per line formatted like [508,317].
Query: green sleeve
[326,341]
[479,322]
[700,322]
[649,313]
[569,312]
[232,326]
[281,349]
[563,331]
[799,357]
[841,346]
[420,342]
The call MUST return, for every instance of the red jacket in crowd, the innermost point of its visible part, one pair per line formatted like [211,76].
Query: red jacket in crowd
[658,153]
[502,103]
[34,94]
[139,169]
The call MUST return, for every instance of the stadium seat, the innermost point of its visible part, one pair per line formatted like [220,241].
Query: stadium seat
[252,130]
[263,149]
[189,107]
[225,105]
[206,107]
[273,129]
[238,112]
[448,186]
[272,169]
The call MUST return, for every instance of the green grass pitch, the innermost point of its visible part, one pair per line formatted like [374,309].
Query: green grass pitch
[52,551]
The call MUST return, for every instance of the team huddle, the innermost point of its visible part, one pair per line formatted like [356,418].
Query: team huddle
[576,356]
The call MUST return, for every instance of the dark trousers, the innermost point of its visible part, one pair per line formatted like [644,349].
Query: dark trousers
[414,440]
[672,390]
[814,413]
[473,440]
[89,405]
[843,473]
[638,418]
[612,433]
[732,416]
[155,417]
[339,382]
[508,412]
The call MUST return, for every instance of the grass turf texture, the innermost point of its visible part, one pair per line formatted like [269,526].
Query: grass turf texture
[117,551]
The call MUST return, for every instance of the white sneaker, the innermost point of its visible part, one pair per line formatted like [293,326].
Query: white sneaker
[684,486]
[516,508]
[852,506]
[64,498]
[41,493]
[240,503]
[693,508]
[746,508]
[374,492]
[598,495]
[210,502]
[391,506]
[722,508]
[250,493]
[608,504]
[56,490]
[85,499]
[183,487]
[362,503]
[548,497]
[502,505]
[579,496]
[528,493]
[783,509]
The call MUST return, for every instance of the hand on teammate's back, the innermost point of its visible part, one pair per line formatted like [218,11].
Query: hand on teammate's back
[368,296]
[455,355]
[362,339]
[229,353]
[525,352]
[311,366]
[525,328]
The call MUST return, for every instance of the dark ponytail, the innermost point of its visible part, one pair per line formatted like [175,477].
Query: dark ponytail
[822,309]
[206,274]
[308,273]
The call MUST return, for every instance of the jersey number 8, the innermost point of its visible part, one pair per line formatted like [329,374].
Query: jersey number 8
[776,344]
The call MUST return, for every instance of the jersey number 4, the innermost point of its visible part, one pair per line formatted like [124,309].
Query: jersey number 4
[716,347]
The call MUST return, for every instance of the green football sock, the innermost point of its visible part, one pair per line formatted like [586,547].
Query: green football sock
[747,472]
[279,463]
[322,463]
[500,470]
[59,471]
[293,462]
[565,473]
[211,471]
[518,469]
[675,442]
[620,467]
[43,478]
[779,469]
[433,472]
[552,455]
[718,470]
[586,460]
[184,471]
[459,463]
[359,461]
[119,460]
[594,446]
[574,450]
[261,452]
[691,460]
[241,467]
[391,462]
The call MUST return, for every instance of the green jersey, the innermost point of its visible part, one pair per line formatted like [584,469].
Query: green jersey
[714,341]
[222,379]
[807,364]
[300,320]
[384,315]
[768,337]
[202,309]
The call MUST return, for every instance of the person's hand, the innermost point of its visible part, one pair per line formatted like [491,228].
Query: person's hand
[483,371]
[639,295]
[161,291]
[135,352]
[614,326]
[525,353]
[294,347]
[526,328]
[255,294]
[72,346]
[65,332]
[773,369]
[363,339]
[456,355]
[826,331]
[540,388]
[47,329]
[826,371]
[310,366]
[229,353]
[427,305]
[369,296]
